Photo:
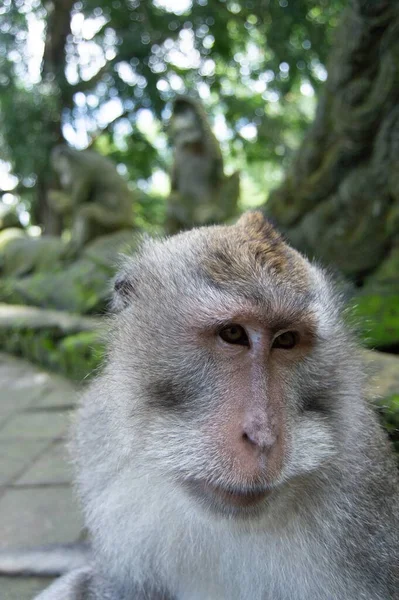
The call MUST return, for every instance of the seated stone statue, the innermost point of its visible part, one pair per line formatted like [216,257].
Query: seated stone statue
[201,194]
[93,196]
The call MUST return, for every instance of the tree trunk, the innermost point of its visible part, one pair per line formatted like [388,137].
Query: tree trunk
[341,196]
[340,200]
[53,74]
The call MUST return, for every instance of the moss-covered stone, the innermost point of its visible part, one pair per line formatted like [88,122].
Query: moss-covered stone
[383,389]
[23,317]
[7,238]
[387,274]
[69,344]
[388,409]
[340,198]
[8,235]
[9,218]
[335,230]
[21,254]
[378,317]
[106,250]
[377,304]
[82,286]
[81,354]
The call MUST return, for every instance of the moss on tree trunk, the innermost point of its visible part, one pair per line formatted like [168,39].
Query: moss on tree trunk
[340,199]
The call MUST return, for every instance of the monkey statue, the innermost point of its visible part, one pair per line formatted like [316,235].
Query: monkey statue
[93,195]
[201,193]
[227,451]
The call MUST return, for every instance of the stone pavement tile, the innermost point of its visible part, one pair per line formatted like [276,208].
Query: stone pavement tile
[3,421]
[28,379]
[20,373]
[36,425]
[16,456]
[42,515]
[36,503]
[19,394]
[50,468]
[10,365]
[60,393]
[25,588]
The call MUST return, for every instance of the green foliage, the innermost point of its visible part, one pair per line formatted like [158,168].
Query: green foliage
[25,107]
[76,356]
[79,355]
[377,304]
[113,59]
[388,409]
[379,314]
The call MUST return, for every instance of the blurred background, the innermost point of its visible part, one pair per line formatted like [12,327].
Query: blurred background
[119,117]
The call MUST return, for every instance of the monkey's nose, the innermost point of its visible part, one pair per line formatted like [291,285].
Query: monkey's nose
[260,437]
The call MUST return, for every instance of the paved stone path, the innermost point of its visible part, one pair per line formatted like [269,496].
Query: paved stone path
[36,500]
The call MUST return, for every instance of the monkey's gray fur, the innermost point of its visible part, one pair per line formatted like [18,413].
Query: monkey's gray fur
[176,508]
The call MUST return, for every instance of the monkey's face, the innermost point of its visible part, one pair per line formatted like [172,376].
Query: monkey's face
[62,166]
[184,126]
[227,347]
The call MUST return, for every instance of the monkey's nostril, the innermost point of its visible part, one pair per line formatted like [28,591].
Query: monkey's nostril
[260,438]
[248,439]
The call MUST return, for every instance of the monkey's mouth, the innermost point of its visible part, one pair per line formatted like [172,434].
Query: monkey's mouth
[229,497]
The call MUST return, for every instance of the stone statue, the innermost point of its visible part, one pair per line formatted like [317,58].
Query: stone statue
[93,196]
[201,193]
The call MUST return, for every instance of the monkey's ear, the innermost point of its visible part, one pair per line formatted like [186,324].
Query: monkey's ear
[123,291]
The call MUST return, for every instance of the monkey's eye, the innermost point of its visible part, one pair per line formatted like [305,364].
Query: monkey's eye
[286,340]
[234,334]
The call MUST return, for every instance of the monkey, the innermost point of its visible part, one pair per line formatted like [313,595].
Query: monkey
[93,195]
[226,451]
[201,193]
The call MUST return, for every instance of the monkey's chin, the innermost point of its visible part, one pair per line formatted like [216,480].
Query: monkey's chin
[229,501]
